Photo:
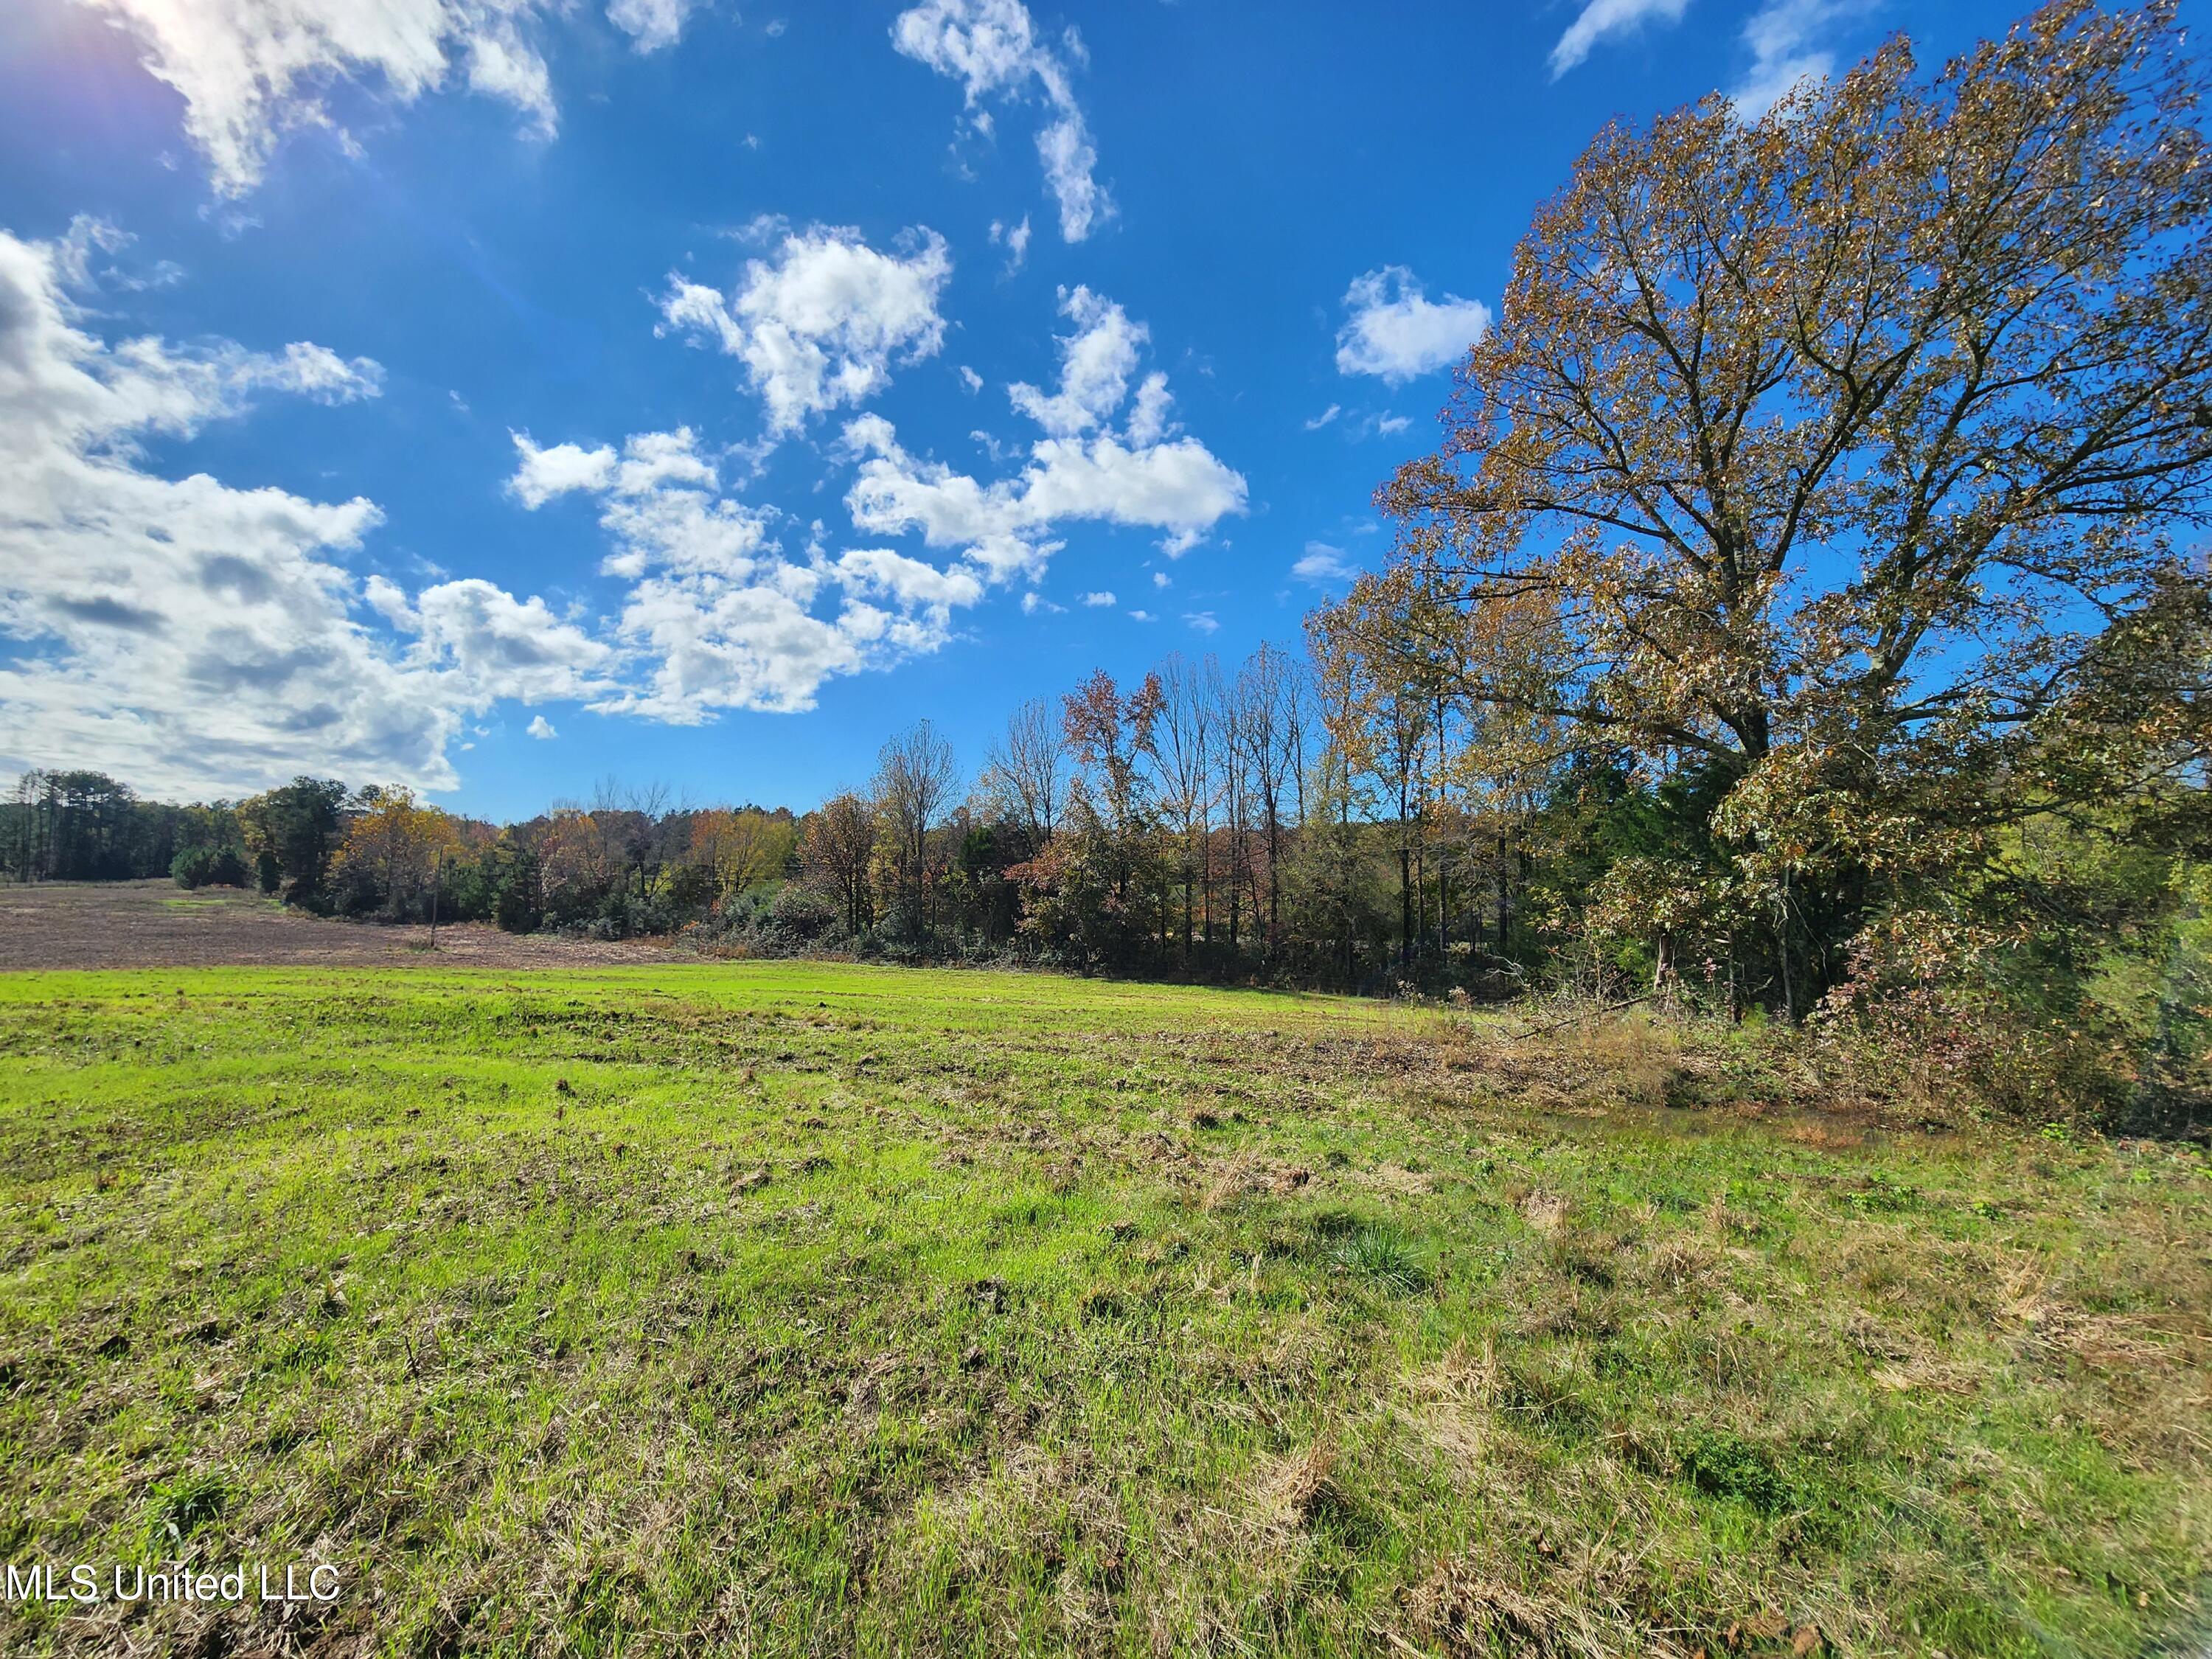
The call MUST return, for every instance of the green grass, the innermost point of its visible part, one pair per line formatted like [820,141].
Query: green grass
[815,1309]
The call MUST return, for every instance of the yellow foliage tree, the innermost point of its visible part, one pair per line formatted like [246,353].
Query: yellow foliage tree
[394,846]
[740,849]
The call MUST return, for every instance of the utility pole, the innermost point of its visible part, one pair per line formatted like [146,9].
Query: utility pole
[437,870]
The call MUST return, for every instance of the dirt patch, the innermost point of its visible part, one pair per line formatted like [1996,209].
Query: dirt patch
[156,924]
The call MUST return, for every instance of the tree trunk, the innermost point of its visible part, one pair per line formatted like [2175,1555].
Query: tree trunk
[1405,902]
[1505,897]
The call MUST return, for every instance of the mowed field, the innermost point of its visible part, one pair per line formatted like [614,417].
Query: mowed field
[150,924]
[820,1310]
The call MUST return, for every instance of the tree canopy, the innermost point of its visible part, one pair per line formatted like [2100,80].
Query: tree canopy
[1832,462]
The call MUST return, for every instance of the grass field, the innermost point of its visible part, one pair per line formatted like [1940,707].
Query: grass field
[819,1310]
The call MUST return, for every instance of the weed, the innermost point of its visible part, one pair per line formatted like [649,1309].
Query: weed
[1722,1464]
[1379,1252]
[182,1507]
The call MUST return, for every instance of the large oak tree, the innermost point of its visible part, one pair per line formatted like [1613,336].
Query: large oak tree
[1842,454]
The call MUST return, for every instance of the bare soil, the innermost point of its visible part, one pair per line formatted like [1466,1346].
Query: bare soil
[156,924]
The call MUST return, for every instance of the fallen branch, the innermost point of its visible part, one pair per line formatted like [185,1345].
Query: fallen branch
[1584,1013]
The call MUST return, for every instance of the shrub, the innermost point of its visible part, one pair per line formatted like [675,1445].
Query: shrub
[210,866]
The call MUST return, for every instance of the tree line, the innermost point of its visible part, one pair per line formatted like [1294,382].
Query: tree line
[1200,822]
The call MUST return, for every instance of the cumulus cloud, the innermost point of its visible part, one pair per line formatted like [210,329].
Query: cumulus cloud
[201,638]
[1083,468]
[1395,332]
[991,47]
[1095,362]
[823,321]
[490,645]
[545,473]
[250,69]
[1102,600]
[198,638]
[1606,20]
[909,582]
[1202,620]
[715,610]
[541,729]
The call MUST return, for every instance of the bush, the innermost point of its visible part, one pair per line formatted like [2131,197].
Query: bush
[210,866]
[499,885]
[798,916]
[620,915]
[790,919]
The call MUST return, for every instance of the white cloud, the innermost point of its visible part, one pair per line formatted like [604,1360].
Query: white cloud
[1160,579]
[1149,420]
[722,617]
[1015,238]
[88,234]
[1179,488]
[1082,469]
[1324,417]
[1606,20]
[545,473]
[1386,425]
[1322,564]
[1095,362]
[1203,621]
[317,372]
[970,381]
[197,638]
[651,24]
[163,273]
[541,728]
[661,502]
[200,639]
[250,69]
[907,580]
[990,46]
[721,644]
[824,322]
[490,645]
[1396,332]
[1142,616]
[1069,160]
[501,64]
[1100,601]
[1788,48]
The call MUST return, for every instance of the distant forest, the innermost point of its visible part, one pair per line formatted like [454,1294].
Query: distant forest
[1801,620]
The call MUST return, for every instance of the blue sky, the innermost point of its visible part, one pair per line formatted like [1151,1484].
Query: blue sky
[496,397]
